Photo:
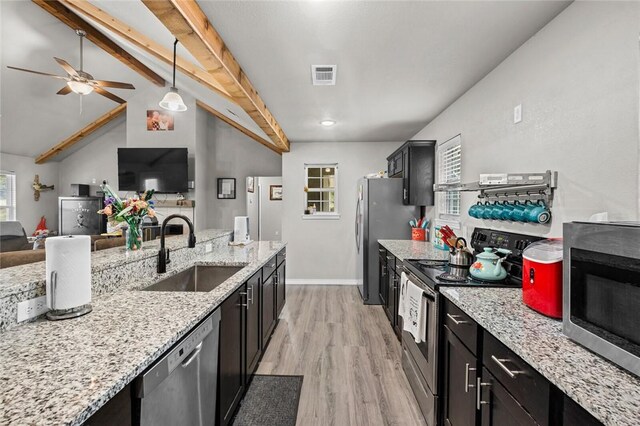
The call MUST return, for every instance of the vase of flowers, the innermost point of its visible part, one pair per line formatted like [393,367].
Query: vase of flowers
[130,211]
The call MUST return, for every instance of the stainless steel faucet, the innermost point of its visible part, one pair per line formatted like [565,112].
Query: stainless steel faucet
[163,255]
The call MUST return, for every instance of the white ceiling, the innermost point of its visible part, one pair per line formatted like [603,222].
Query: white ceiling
[399,63]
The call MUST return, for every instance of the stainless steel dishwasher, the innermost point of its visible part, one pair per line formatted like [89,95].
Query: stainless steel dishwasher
[180,388]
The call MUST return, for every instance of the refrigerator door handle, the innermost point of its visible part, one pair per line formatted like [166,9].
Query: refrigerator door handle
[358,225]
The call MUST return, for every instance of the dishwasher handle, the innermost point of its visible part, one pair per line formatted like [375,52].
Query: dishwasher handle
[193,355]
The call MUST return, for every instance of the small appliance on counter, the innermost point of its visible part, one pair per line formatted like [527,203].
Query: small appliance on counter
[601,289]
[241,233]
[542,277]
[68,268]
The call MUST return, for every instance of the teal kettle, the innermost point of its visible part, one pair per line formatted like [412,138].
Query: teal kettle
[488,265]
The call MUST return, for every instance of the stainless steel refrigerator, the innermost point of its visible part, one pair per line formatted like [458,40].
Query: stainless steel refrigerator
[380,215]
[264,208]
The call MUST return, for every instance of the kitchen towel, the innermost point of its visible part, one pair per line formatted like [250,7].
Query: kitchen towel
[414,312]
[68,263]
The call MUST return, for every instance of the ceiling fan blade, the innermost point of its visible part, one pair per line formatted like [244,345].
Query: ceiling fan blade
[38,72]
[109,95]
[64,91]
[68,68]
[114,84]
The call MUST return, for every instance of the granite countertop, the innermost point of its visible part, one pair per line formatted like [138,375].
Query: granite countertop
[61,372]
[27,277]
[409,249]
[609,393]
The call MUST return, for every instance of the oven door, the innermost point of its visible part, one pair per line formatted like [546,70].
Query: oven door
[424,354]
[602,291]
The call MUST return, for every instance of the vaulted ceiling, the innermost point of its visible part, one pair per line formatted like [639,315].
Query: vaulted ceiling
[399,63]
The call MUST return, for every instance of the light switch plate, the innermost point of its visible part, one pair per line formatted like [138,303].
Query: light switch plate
[208,248]
[517,114]
[32,308]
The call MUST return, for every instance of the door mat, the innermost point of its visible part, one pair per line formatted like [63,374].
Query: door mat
[270,400]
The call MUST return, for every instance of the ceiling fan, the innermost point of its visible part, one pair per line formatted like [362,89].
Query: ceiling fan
[81,82]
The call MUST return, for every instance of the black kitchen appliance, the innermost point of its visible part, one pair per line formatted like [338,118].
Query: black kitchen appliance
[601,289]
[420,361]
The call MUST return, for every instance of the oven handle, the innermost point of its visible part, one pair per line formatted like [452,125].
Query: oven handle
[426,291]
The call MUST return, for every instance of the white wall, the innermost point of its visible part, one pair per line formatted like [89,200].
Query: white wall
[324,249]
[98,160]
[578,83]
[232,154]
[29,211]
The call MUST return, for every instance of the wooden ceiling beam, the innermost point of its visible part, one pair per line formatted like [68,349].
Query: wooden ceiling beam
[239,127]
[190,25]
[131,35]
[69,18]
[80,134]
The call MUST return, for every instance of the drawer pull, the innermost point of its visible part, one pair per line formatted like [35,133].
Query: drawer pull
[467,385]
[455,320]
[498,361]
[479,401]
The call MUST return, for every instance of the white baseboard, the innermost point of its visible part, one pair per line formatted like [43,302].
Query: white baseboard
[304,281]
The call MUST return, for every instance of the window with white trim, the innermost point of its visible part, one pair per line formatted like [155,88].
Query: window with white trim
[321,189]
[450,165]
[7,196]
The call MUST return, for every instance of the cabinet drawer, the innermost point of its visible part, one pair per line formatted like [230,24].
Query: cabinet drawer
[398,267]
[391,262]
[461,325]
[526,385]
[269,268]
[281,256]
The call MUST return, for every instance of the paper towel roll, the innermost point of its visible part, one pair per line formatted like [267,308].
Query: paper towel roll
[69,265]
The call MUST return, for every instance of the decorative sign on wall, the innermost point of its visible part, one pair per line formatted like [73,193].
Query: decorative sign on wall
[226,188]
[275,192]
[158,120]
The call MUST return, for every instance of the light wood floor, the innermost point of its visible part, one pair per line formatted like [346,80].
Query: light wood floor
[349,356]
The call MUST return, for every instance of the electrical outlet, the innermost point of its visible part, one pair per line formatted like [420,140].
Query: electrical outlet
[32,308]
[517,114]
[208,248]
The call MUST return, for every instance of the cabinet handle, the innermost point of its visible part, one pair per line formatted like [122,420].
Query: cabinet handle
[479,401]
[498,361]
[404,191]
[456,321]
[244,305]
[251,296]
[275,279]
[467,385]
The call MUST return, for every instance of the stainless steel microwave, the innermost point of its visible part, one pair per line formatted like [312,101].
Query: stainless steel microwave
[601,289]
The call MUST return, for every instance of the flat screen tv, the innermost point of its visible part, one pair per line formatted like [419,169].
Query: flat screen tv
[162,169]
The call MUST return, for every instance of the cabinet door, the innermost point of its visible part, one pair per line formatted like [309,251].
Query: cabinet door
[459,387]
[268,309]
[231,356]
[254,338]
[391,297]
[497,406]
[382,276]
[397,323]
[281,289]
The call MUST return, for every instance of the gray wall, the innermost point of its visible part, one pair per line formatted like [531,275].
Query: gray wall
[578,83]
[231,154]
[29,211]
[323,251]
[97,160]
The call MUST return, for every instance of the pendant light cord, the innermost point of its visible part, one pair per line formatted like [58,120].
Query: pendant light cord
[175,44]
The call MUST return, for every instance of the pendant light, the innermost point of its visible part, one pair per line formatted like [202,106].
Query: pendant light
[172,101]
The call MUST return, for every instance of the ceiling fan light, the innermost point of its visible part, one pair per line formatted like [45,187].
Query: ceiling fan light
[172,101]
[79,87]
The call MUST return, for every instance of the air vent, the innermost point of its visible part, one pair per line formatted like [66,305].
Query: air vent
[323,75]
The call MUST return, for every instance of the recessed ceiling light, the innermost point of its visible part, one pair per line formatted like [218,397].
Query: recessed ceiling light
[328,123]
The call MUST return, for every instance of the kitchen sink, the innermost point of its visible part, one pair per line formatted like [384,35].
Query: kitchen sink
[195,279]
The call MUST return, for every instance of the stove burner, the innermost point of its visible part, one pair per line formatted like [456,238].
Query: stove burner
[452,278]
[433,263]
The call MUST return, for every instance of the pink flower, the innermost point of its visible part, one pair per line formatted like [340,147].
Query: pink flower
[108,210]
[151,212]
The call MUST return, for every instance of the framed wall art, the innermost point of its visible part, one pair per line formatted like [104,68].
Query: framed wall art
[226,188]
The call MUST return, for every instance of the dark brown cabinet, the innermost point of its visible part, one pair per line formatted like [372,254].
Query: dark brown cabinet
[254,337]
[459,382]
[280,283]
[414,162]
[231,356]
[268,307]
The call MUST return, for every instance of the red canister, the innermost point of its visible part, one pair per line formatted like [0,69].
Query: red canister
[542,277]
